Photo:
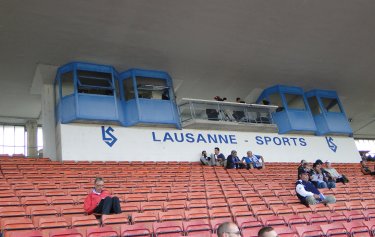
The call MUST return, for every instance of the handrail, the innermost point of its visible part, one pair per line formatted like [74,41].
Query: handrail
[187,100]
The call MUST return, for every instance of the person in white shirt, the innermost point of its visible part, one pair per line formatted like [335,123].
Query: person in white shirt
[308,194]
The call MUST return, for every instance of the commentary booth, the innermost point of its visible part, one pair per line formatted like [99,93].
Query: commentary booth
[86,92]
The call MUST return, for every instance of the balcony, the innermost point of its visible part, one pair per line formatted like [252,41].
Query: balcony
[218,115]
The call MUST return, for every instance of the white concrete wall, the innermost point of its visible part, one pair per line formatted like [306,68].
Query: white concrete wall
[85,142]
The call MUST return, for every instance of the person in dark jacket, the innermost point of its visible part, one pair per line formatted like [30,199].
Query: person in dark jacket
[233,161]
[308,194]
[100,201]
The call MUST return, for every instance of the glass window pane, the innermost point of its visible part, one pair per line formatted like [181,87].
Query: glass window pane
[67,85]
[314,105]
[40,138]
[295,101]
[152,88]
[19,140]
[275,99]
[331,105]
[128,89]
[98,83]
[9,140]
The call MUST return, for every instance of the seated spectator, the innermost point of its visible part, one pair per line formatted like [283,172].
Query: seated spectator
[365,169]
[308,194]
[99,200]
[246,161]
[320,178]
[233,162]
[301,167]
[334,176]
[267,231]
[228,229]
[205,159]
[256,161]
[217,158]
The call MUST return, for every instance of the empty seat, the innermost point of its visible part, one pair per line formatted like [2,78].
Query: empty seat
[139,229]
[197,227]
[90,220]
[170,228]
[247,222]
[12,212]
[114,219]
[26,233]
[145,217]
[357,228]
[64,233]
[311,230]
[152,206]
[196,213]
[172,215]
[336,229]
[48,222]
[105,231]
[220,212]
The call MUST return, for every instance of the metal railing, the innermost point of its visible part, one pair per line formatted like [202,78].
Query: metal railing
[196,109]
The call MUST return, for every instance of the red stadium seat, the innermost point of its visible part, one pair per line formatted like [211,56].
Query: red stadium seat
[170,228]
[336,229]
[105,231]
[136,230]
[201,227]
[115,219]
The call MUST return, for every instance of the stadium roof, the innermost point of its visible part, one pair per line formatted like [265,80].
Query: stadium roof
[211,47]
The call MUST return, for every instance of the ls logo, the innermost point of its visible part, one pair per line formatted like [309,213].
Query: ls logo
[108,137]
[331,144]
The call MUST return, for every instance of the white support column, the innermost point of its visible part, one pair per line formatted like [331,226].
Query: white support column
[48,119]
[32,138]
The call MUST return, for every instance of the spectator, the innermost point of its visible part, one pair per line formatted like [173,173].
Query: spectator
[228,229]
[217,158]
[308,194]
[365,169]
[257,161]
[204,158]
[320,178]
[233,161]
[267,231]
[334,175]
[99,200]
[301,167]
[246,161]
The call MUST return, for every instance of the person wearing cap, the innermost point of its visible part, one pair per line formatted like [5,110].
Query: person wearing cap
[333,174]
[320,178]
[308,194]
[233,162]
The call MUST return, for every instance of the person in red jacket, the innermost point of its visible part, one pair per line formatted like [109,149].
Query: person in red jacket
[100,201]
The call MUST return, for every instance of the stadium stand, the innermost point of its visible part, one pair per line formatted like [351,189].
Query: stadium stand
[44,198]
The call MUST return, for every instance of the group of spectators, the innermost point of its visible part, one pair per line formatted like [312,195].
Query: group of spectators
[322,175]
[365,169]
[250,161]
[319,176]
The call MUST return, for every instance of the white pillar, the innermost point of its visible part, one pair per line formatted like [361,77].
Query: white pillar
[48,120]
[32,138]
